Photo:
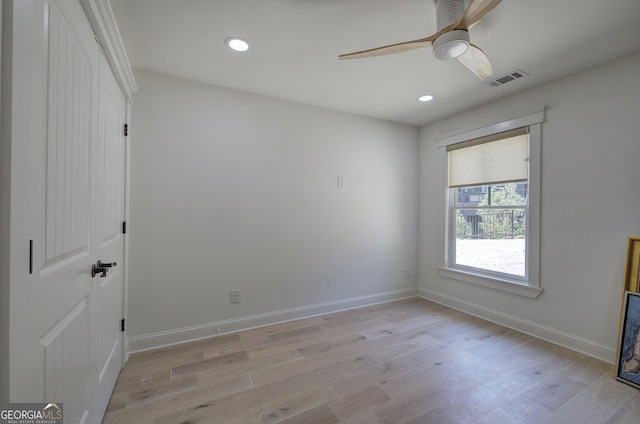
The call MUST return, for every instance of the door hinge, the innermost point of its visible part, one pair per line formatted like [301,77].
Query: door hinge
[126,130]
[122,324]
[30,256]
[124,227]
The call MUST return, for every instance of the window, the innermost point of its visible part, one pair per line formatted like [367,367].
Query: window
[488,177]
[493,205]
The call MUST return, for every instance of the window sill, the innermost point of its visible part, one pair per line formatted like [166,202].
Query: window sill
[495,283]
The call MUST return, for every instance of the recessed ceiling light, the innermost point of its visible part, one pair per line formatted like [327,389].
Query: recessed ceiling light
[425,98]
[237,44]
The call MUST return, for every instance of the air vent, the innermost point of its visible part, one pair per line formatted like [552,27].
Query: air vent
[511,76]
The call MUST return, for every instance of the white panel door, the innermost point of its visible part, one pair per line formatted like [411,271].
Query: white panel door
[65,250]
[110,196]
[67,194]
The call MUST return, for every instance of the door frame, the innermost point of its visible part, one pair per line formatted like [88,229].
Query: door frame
[125,269]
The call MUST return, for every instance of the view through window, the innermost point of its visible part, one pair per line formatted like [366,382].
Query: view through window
[490,227]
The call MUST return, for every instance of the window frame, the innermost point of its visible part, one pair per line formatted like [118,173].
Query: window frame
[531,118]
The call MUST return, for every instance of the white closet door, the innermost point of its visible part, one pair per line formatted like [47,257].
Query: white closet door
[67,194]
[110,202]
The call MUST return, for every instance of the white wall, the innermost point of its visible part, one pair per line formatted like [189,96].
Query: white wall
[590,205]
[231,190]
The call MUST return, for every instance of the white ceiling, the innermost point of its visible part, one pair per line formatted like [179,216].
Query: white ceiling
[295,46]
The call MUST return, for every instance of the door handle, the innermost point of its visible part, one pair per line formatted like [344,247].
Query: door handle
[95,270]
[101,268]
[107,265]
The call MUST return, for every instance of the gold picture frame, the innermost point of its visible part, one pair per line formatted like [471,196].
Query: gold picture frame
[632,271]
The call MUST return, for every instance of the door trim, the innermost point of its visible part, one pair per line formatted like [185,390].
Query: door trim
[104,25]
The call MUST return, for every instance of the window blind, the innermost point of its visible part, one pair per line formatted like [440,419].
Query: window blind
[493,159]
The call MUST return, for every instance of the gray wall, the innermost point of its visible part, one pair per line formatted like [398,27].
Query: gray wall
[590,205]
[231,190]
[235,190]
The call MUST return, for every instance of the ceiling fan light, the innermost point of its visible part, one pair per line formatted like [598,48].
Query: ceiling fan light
[451,45]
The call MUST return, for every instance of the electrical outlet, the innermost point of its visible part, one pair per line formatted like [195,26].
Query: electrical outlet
[235,296]
[407,273]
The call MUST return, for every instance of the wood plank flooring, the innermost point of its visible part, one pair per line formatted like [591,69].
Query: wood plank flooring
[410,361]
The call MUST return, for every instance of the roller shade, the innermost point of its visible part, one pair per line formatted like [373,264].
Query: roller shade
[494,159]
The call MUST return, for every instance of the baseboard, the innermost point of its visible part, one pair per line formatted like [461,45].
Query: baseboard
[559,337]
[187,334]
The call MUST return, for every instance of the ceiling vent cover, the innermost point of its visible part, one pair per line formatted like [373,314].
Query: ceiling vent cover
[506,78]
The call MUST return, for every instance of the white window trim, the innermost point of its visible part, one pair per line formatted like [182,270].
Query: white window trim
[532,118]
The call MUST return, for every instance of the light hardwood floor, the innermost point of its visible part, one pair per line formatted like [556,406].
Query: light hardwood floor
[409,361]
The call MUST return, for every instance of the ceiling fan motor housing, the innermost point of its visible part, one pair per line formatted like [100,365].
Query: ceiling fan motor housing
[448,11]
[453,43]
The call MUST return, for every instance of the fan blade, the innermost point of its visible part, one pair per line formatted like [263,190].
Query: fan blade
[477,62]
[391,48]
[476,10]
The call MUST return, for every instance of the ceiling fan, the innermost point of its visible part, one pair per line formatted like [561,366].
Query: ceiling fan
[452,38]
